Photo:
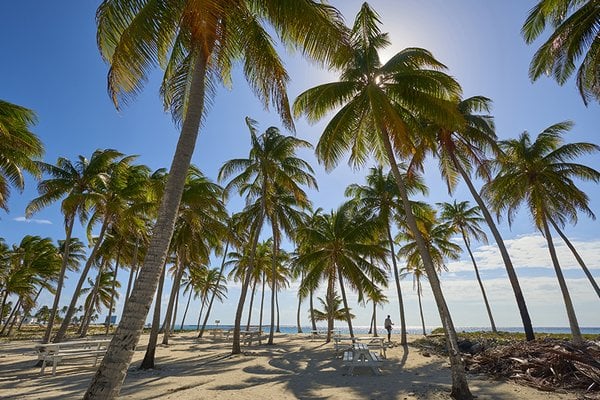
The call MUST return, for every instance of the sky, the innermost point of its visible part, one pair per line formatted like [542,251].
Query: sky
[51,64]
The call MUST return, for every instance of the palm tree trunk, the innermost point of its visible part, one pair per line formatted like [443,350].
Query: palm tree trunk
[277,307]
[577,256]
[330,296]
[577,338]
[236,348]
[11,316]
[485,300]
[214,293]
[460,388]
[26,312]
[91,307]
[262,302]
[398,289]
[253,293]
[202,302]
[298,312]
[312,312]
[112,295]
[419,291]
[175,309]
[375,319]
[275,229]
[148,361]
[186,309]
[510,270]
[174,289]
[4,300]
[14,316]
[130,283]
[109,378]
[70,221]
[343,291]
[62,331]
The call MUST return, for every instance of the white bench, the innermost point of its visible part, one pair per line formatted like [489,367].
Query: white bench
[361,356]
[57,352]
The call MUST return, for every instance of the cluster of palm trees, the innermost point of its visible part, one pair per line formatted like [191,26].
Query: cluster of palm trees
[395,114]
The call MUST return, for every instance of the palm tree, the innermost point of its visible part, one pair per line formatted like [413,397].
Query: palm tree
[381,195]
[332,310]
[540,175]
[460,150]
[418,273]
[100,294]
[74,182]
[576,37]
[198,43]
[465,219]
[271,179]
[380,109]
[19,148]
[208,282]
[437,236]
[116,199]
[340,247]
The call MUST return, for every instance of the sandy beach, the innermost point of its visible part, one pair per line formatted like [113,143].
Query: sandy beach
[294,368]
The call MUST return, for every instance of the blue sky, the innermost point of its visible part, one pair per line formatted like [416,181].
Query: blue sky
[50,64]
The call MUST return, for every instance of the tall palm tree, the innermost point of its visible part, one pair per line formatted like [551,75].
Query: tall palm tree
[271,179]
[576,37]
[380,107]
[381,195]
[465,219]
[460,150]
[540,175]
[118,198]
[437,236]
[198,43]
[19,148]
[332,309]
[340,248]
[75,182]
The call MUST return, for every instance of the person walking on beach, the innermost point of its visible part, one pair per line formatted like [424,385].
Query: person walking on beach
[388,327]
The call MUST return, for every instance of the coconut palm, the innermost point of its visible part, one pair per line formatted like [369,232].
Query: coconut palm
[461,150]
[101,293]
[207,282]
[576,38]
[332,309]
[381,195]
[437,236]
[117,199]
[19,148]
[198,43]
[539,174]
[465,219]
[271,179]
[379,108]
[340,247]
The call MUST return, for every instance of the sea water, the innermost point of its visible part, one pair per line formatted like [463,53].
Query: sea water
[415,330]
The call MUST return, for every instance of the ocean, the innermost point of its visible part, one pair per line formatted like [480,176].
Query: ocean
[416,330]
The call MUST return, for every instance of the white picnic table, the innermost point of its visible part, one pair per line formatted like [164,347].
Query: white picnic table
[374,342]
[56,352]
[247,337]
[361,356]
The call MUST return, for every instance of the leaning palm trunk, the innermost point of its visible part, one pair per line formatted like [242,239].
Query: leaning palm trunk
[148,361]
[174,289]
[214,293]
[186,310]
[485,300]
[61,279]
[273,278]
[202,303]
[251,305]
[236,348]
[132,270]
[419,292]
[460,388]
[62,331]
[109,378]
[343,290]
[11,316]
[399,291]
[175,310]
[577,256]
[577,338]
[112,295]
[262,303]
[512,275]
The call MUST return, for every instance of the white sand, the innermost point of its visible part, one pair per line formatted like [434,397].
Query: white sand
[293,368]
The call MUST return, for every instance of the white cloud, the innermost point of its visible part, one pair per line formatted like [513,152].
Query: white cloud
[34,220]
[531,251]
